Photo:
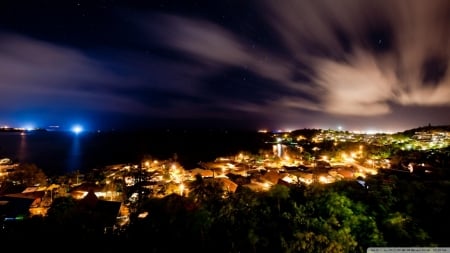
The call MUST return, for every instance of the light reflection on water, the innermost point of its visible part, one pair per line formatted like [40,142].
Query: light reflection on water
[58,153]
[54,153]
[74,156]
[22,152]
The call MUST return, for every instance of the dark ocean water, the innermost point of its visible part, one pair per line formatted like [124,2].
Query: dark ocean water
[58,153]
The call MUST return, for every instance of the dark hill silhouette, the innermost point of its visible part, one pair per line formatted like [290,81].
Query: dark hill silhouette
[429,128]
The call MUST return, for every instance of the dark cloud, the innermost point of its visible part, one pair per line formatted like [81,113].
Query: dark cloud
[434,70]
[37,74]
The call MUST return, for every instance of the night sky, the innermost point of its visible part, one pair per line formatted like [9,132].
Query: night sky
[378,65]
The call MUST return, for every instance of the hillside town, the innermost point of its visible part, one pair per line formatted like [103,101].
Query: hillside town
[301,157]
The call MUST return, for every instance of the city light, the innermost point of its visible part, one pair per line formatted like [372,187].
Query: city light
[77,129]
[28,127]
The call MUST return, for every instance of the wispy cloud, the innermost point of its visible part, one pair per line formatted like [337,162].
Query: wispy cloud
[39,75]
[363,56]
[285,61]
[371,53]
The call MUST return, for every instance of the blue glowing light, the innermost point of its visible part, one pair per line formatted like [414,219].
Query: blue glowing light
[29,127]
[77,129]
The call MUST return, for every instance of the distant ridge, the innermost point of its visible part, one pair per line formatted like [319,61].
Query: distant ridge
[411,132]
[309,132]
[11,129]
[19,130]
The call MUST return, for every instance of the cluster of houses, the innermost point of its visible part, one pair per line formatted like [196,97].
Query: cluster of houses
[162,178]
[124,185]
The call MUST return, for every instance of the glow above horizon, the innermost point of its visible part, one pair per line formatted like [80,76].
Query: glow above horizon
[77,129]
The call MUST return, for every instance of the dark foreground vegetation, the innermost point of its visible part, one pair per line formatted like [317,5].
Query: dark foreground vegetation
[348,216]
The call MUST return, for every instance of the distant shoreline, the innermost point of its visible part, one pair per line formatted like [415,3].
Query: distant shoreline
[18,130]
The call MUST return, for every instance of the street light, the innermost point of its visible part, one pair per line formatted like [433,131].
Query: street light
[181,189]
